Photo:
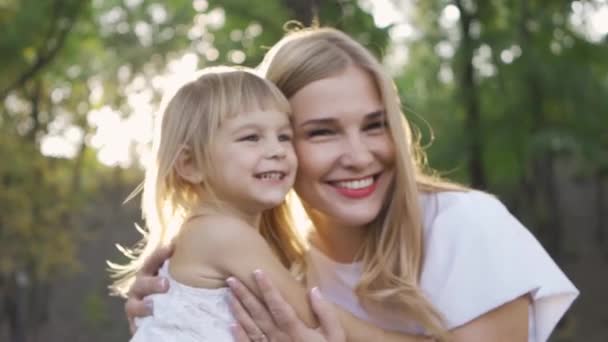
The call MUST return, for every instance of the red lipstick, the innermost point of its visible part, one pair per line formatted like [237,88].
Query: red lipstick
[356,193]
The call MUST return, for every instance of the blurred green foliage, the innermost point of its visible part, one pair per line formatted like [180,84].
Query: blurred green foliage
[508,88]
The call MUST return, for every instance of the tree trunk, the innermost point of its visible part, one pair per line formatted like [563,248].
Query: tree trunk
[470,94]
[542,181]
[600,203]
[304,11]
[15,307]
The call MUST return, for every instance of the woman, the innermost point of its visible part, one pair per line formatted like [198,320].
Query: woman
[391,244]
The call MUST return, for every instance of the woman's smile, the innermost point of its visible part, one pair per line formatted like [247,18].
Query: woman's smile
[344,149]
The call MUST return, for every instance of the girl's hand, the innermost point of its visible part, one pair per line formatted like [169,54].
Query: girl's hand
[147,282]
[275,320]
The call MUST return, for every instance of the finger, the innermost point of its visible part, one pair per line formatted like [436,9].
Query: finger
[328,319]
[153,263]
[132,327]
[145,285]
[239,334]
[283,314]
[255,309]
[137,308]
[243,320]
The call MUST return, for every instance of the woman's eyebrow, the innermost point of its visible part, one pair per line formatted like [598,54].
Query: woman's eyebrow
[322,121]
[379,114]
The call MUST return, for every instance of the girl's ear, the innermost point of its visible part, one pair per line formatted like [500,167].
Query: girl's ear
[186,168]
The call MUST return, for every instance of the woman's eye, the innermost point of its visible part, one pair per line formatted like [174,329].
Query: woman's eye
[250,137]
[319,132]
[376,125]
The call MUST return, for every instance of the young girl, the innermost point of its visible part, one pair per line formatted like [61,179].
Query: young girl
[223,164]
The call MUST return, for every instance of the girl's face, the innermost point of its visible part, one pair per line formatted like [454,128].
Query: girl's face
[254,160]
[344,148]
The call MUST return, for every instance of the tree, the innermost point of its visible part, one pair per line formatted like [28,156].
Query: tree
[525,86]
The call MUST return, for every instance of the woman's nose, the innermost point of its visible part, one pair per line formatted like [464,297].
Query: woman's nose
[357,153]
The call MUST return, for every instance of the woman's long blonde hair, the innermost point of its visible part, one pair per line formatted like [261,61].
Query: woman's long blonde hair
[188,124]
[393,253]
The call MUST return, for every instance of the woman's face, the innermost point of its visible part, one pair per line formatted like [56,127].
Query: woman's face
[344,148]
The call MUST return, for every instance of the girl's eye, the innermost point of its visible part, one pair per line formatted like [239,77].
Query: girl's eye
[319,132]
[285,137]
[250,137]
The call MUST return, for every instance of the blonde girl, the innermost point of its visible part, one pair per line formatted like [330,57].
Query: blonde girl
[223,162]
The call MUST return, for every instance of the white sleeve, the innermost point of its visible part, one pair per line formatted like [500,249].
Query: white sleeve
[480,257]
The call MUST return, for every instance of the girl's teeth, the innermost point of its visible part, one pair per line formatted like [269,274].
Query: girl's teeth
[271,176]
[356,184]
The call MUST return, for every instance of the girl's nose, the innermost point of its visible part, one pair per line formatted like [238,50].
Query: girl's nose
[275,150]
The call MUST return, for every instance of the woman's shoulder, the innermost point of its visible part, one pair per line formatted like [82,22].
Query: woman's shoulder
[467,209]
[477,251]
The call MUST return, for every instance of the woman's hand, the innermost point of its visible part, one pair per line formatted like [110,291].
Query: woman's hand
[147,282]
[275,320]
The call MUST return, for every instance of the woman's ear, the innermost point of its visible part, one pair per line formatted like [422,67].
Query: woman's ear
[186,168]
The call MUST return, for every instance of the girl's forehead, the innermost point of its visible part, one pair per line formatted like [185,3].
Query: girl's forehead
[258,104]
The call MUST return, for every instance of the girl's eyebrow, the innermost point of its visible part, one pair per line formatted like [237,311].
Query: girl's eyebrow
[256,126]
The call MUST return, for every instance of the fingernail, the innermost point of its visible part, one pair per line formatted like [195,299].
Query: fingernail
[230,281]
[234,328]
[163,284]
[258,274]
[316,293]
[149,305]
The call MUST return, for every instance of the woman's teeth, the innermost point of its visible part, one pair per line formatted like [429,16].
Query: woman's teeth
[356,184]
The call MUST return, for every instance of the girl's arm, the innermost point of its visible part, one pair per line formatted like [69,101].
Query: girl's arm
[234,248]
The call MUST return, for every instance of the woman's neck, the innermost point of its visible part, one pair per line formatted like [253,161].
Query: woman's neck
[340,242]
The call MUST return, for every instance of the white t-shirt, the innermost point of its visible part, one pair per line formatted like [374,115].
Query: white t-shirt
[478,257]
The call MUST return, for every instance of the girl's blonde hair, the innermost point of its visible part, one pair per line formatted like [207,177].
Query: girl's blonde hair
[393,253]
[188,124]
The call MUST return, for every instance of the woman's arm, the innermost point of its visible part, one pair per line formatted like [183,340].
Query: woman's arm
[276,317]
[508,322]
[330,329]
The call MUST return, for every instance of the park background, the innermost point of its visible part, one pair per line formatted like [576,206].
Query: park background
[507,96]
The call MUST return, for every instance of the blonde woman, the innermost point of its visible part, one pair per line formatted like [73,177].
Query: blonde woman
[390,243]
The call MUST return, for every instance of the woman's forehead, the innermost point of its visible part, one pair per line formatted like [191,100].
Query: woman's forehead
[350,92]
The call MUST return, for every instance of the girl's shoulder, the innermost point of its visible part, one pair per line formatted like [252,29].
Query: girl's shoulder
[214,228]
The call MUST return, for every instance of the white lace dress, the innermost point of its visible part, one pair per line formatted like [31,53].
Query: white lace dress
[186,314]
